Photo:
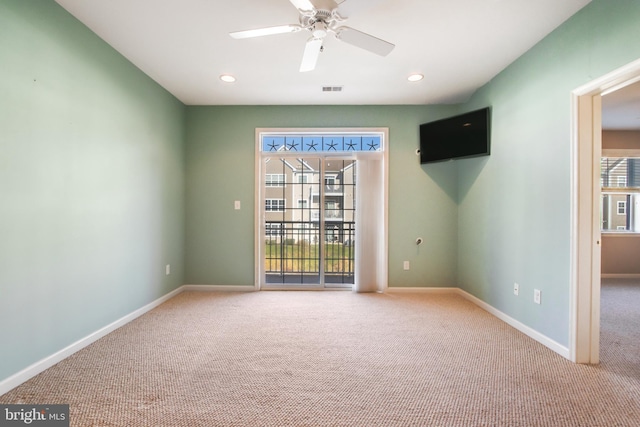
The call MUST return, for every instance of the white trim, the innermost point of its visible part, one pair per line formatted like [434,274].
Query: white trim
[621,152]
[31,371]
[584,327]
[531,333]
[610,233]
[620,276]
[420,290]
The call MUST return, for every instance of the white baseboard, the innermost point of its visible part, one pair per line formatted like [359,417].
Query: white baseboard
[542,339]
[216,288]
[532,333]
[420,290]
[31,371]
[620,276]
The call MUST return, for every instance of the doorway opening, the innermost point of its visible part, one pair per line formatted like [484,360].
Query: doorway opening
[586,209]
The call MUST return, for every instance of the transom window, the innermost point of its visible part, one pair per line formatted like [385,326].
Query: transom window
[322,143]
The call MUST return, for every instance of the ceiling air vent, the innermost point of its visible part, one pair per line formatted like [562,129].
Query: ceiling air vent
[332,88]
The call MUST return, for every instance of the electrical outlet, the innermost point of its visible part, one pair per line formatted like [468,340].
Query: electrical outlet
[516,289]
[167,269]
[406,265]
[536,296]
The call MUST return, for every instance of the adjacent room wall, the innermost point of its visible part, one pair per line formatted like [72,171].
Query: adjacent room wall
[220,169]
[91,178]
[515,207]
[620,255]
[621,140]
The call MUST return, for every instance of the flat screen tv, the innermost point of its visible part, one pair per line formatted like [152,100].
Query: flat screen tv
[466,135]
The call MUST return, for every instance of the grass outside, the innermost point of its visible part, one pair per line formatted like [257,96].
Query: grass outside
[303,257]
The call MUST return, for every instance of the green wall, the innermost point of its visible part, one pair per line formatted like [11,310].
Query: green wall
[515,206]
[91,178]
[105,178]
[220,158]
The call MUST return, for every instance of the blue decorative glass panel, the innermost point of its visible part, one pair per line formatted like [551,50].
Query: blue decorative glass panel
[272,143]
[293,143]
[322,143]
[332,143]
[312,143]
[353,143]
[371,143]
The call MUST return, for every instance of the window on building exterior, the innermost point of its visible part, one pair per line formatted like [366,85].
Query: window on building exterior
[274,205]
[275,180]
[273,229]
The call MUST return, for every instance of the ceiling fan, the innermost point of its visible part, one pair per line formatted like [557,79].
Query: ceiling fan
[321,17]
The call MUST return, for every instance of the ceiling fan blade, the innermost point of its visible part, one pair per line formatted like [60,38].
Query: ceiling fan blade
[303,5]
[280,29]
[310,56]
[364,41]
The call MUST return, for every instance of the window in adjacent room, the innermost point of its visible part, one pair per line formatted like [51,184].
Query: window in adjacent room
[620,194]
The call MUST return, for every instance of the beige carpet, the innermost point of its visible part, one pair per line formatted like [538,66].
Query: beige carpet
[620,327]
[328,359]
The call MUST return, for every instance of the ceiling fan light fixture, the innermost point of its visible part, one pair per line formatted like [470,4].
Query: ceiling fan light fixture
[415,77]
[319,30]
[227,78]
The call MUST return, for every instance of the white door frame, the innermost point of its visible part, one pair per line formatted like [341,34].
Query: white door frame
[586,150]
[382,259]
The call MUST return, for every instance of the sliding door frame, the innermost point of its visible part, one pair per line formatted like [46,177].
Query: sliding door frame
[382,261]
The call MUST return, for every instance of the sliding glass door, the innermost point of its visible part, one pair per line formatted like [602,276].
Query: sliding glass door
[309,221]
[318,228]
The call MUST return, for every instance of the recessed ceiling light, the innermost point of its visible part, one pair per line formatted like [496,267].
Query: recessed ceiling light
[415,77]
[227,78]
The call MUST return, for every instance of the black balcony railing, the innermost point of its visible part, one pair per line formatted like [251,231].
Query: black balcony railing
[292,252]
[334,188]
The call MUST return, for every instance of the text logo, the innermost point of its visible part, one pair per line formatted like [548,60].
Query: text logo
[34,415]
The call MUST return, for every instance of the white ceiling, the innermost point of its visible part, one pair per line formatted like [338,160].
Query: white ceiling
[458,45]
[621,109]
